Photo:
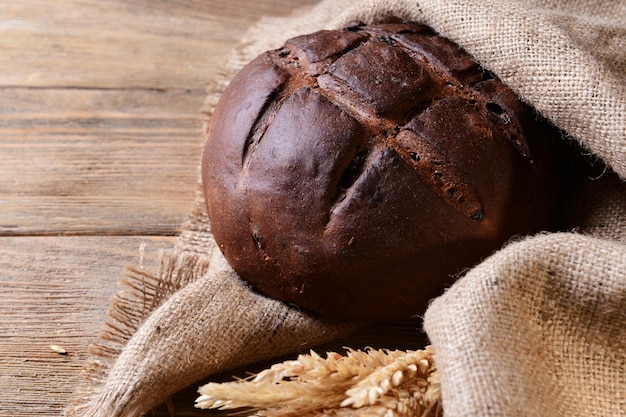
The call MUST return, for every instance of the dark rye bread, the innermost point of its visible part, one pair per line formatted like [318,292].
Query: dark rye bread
[353,173]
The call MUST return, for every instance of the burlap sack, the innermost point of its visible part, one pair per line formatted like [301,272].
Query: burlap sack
[537,329]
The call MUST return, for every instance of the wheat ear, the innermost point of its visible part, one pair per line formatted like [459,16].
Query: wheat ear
[364,383]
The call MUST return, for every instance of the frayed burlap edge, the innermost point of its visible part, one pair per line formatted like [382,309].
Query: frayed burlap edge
[141,293]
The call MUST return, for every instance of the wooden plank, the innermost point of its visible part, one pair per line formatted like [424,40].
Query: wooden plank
[97,161]
[56,290]
[120,43]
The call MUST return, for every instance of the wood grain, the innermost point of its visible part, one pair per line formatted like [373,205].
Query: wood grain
[55,290]
[97,161]
[123,43]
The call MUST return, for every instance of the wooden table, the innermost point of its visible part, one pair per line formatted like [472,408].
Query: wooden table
[100,141]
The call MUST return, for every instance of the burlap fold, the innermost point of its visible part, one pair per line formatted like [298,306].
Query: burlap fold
[537,329]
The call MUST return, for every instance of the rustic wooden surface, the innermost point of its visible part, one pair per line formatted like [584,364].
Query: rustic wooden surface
[99,145]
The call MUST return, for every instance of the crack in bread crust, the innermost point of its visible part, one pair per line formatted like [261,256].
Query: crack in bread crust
[316,70]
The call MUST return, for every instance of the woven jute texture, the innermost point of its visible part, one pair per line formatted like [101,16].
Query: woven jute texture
[536,329]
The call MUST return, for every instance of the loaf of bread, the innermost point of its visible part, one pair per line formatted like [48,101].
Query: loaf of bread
[355,173]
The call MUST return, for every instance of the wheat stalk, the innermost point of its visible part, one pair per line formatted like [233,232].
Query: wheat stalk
[365,383]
